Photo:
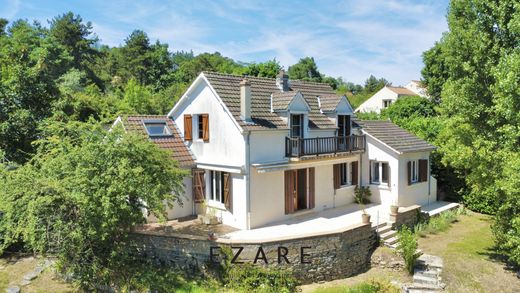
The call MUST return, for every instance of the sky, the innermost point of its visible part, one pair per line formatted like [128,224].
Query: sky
[351,39]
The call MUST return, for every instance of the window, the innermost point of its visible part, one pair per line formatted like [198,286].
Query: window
[297,125]
[379,172]
[345,174]
[384,173]
[417,171]
[157,129]
[343,125]
[221,188]
[387,103]
[203,127]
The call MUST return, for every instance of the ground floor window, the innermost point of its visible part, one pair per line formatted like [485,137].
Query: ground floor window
[379,172]
[220,190]
[345,174]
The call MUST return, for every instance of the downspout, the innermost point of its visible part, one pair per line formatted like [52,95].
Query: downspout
[248,181]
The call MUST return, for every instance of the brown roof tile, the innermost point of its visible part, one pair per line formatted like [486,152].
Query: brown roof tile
[328,103]
[174,144]
[227,87]
[402,91]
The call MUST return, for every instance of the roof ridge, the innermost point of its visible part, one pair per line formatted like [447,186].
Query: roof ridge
[266,78]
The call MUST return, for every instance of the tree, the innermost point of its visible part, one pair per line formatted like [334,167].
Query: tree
[81,195]
[475,69]
[305,69]
[265,69]
[373,84]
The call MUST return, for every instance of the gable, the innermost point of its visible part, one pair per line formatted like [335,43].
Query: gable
[344,107]
[298,104]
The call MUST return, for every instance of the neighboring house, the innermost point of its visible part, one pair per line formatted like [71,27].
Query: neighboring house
[268,150]
[389,94]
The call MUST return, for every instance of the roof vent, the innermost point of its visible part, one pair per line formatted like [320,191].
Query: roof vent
[282,81]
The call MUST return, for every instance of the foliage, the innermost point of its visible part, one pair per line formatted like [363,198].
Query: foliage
[439,223]
[248,277]
[407,247]
[305,69]
[372,286]
[362,194]
[80,196]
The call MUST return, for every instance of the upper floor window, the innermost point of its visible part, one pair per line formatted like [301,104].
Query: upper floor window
[387,103]
[343,125]
[296,125]
[158,128]
[202,131]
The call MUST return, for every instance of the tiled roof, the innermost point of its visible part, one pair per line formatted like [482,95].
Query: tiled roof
[227,87]
[174,144]
[394,136]
[281,100]
[328,103]
[402,91]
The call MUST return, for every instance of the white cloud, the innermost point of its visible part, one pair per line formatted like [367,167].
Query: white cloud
[9,9]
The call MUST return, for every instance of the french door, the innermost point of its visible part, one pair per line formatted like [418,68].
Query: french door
[299,190]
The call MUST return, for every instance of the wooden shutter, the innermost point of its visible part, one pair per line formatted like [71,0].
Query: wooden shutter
[205,127]
[188,128]
[312,196]
[370,171]
[289,188]
[347,125]
[423,170]
[355,173]
[228,194]
[199,185]
[389,173]
[409,168]
[337,176]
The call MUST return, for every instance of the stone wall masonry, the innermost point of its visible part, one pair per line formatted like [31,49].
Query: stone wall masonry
[338,254]
[408,216]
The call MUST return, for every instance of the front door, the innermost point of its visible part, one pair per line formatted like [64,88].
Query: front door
[299,190]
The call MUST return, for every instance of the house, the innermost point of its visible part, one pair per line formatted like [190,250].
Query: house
[267,150]
[389,94]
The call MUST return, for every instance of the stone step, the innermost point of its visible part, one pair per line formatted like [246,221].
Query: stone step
[391,240]
[425,280]
[388,234]
[430,261]
[426,273]
[384,229]
[421,290]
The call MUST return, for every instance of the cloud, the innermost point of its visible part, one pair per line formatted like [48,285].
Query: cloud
[9,9]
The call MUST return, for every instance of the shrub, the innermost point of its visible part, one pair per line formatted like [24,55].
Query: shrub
[407,248]
[362,194]
[373,286]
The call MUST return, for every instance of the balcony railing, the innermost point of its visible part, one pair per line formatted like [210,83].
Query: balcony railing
[298,147]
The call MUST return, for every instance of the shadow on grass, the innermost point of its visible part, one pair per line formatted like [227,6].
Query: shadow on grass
[492,254]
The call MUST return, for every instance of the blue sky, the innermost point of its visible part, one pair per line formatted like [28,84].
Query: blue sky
[351,39]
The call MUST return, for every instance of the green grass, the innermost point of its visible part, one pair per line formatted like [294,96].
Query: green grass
[372,286]
[437,224]
[4,281]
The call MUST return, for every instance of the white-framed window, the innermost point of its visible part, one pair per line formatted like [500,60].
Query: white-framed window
[157,128]
[387,103]
[379,172]
[414,174]
[217,186]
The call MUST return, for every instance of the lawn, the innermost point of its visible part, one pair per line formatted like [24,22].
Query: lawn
[469,263]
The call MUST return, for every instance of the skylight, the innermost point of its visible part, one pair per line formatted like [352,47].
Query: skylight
[157,128]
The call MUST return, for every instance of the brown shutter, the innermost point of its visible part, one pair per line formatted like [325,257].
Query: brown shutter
[409,168]
[228,194]
[423,170]
[289,187]
[355,173]
[312,197]
[370,171]
[187,127]
[347,126]
[205,127]
[198,185]
[389,173]
[337,176]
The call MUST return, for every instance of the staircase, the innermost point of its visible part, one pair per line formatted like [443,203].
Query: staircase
[387,235]
[426,277]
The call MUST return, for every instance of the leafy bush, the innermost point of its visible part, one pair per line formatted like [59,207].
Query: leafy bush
[373,286]
[438,223]
[253,278]
[362,194]
[407,247]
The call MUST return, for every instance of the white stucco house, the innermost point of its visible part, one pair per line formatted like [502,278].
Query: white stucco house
[264,150]
[389,94]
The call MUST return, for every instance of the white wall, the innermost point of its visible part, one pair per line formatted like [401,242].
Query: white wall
[377,151]
[268,193]
[417,193]
[226,144]
[375,103]
[178,210]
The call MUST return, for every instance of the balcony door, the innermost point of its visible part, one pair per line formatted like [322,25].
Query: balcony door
[297,133]
[343,132]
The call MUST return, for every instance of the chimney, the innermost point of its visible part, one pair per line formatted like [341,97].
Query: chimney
[282,81]
[245,99]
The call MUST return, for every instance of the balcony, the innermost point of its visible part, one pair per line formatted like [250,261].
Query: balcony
[337,145]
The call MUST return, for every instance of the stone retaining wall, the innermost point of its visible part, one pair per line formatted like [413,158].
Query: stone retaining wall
[408,216]
[330,256]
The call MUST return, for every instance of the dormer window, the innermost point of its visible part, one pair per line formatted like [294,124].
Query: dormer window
[157,128]
[343,125]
